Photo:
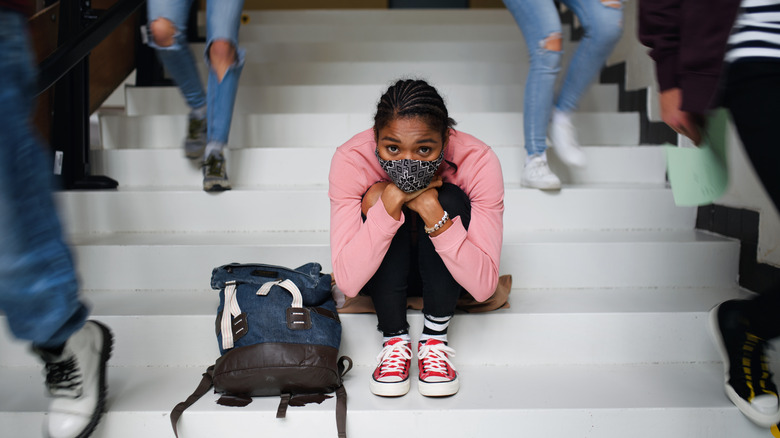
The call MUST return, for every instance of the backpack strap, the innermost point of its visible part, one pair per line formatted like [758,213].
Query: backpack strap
[341,411]
[281,411]
[341,397]
[203,387]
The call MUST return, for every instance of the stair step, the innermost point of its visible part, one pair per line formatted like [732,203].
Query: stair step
[351,99]
[255,168]
[362,51]
[332,130]
[586,326]
[537,259]
[380,72]
[279,209]
[294,32]
[349,17]
[644,401]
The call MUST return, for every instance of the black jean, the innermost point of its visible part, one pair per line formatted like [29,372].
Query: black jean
[752,96]
[412,267]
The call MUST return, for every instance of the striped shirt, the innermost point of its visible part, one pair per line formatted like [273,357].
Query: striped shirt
[756,31]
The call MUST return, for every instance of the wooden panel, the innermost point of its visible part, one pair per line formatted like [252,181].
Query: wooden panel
[486,4]
[310,4]
[113,59]
[43,33]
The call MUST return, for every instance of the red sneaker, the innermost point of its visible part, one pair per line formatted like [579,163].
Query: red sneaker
[438,377]
[391,376]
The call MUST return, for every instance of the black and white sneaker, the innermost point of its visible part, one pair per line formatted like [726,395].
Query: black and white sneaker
[76,382]
[215,177]
[195,142]
[748,382]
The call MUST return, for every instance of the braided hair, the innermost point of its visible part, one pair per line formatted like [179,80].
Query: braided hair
[413,98]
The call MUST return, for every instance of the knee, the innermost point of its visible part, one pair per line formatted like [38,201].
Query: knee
[607,27]
[548,55]
[455,201]
[222,52]
[552,42]
[163,32]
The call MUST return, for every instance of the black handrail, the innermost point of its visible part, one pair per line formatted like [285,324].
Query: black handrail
[81,29]
[67,55]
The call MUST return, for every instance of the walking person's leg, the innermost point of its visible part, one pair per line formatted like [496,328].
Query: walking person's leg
[541,27]
[225,61]
[602,21]
[168,36]
[38,286]
[742,328]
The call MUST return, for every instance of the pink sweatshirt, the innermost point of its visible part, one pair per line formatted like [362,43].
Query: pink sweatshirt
[358,248]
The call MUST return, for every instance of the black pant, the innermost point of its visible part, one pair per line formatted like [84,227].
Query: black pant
[753,98]
[412,267]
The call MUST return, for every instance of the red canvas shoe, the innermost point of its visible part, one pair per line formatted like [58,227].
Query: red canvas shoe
[438,377]
[391,376]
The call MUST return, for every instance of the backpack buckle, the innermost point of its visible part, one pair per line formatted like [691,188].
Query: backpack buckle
[298,318]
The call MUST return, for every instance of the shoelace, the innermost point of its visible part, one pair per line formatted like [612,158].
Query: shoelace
[393,358]
[213,166]
[195,127]
[754,359]
[436,358]
[63,378]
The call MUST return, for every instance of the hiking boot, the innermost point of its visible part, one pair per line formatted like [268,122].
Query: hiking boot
[438,377]
[195,143]
[748,382]
[537,174]
[564,140]
[215,177]
[391,376]
[76,381]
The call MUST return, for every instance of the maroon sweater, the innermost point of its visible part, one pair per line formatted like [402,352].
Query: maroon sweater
[23,6]
[687,40]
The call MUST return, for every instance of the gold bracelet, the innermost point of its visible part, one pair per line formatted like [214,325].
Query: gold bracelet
[439,224]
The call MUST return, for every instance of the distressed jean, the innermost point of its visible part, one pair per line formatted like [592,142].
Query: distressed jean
[38,286]
[538,20]
[223,18]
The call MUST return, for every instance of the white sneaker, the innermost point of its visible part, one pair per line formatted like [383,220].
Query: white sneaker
[564,140]
[537,174]
[76,380]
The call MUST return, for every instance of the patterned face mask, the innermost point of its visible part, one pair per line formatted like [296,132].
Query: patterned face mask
[410,175]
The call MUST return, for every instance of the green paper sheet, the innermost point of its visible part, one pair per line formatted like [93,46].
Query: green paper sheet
[700,175]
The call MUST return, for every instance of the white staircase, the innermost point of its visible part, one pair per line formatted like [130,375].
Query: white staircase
[606,332]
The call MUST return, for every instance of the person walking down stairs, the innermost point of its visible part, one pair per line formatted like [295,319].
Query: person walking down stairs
[540,24]
[402,224]
[38,287]
[211,112]
[689,56]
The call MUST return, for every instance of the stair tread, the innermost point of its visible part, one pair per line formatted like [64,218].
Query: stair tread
[203,302]
[603,401]
[321,237]
[487,387]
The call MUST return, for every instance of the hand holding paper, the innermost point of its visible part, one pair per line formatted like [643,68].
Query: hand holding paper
[699,176]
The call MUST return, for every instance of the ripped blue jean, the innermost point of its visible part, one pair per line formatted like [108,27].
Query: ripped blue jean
[538,20]
[38,286]
[223,18]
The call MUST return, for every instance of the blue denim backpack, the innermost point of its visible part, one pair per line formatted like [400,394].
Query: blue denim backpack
[279,334]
